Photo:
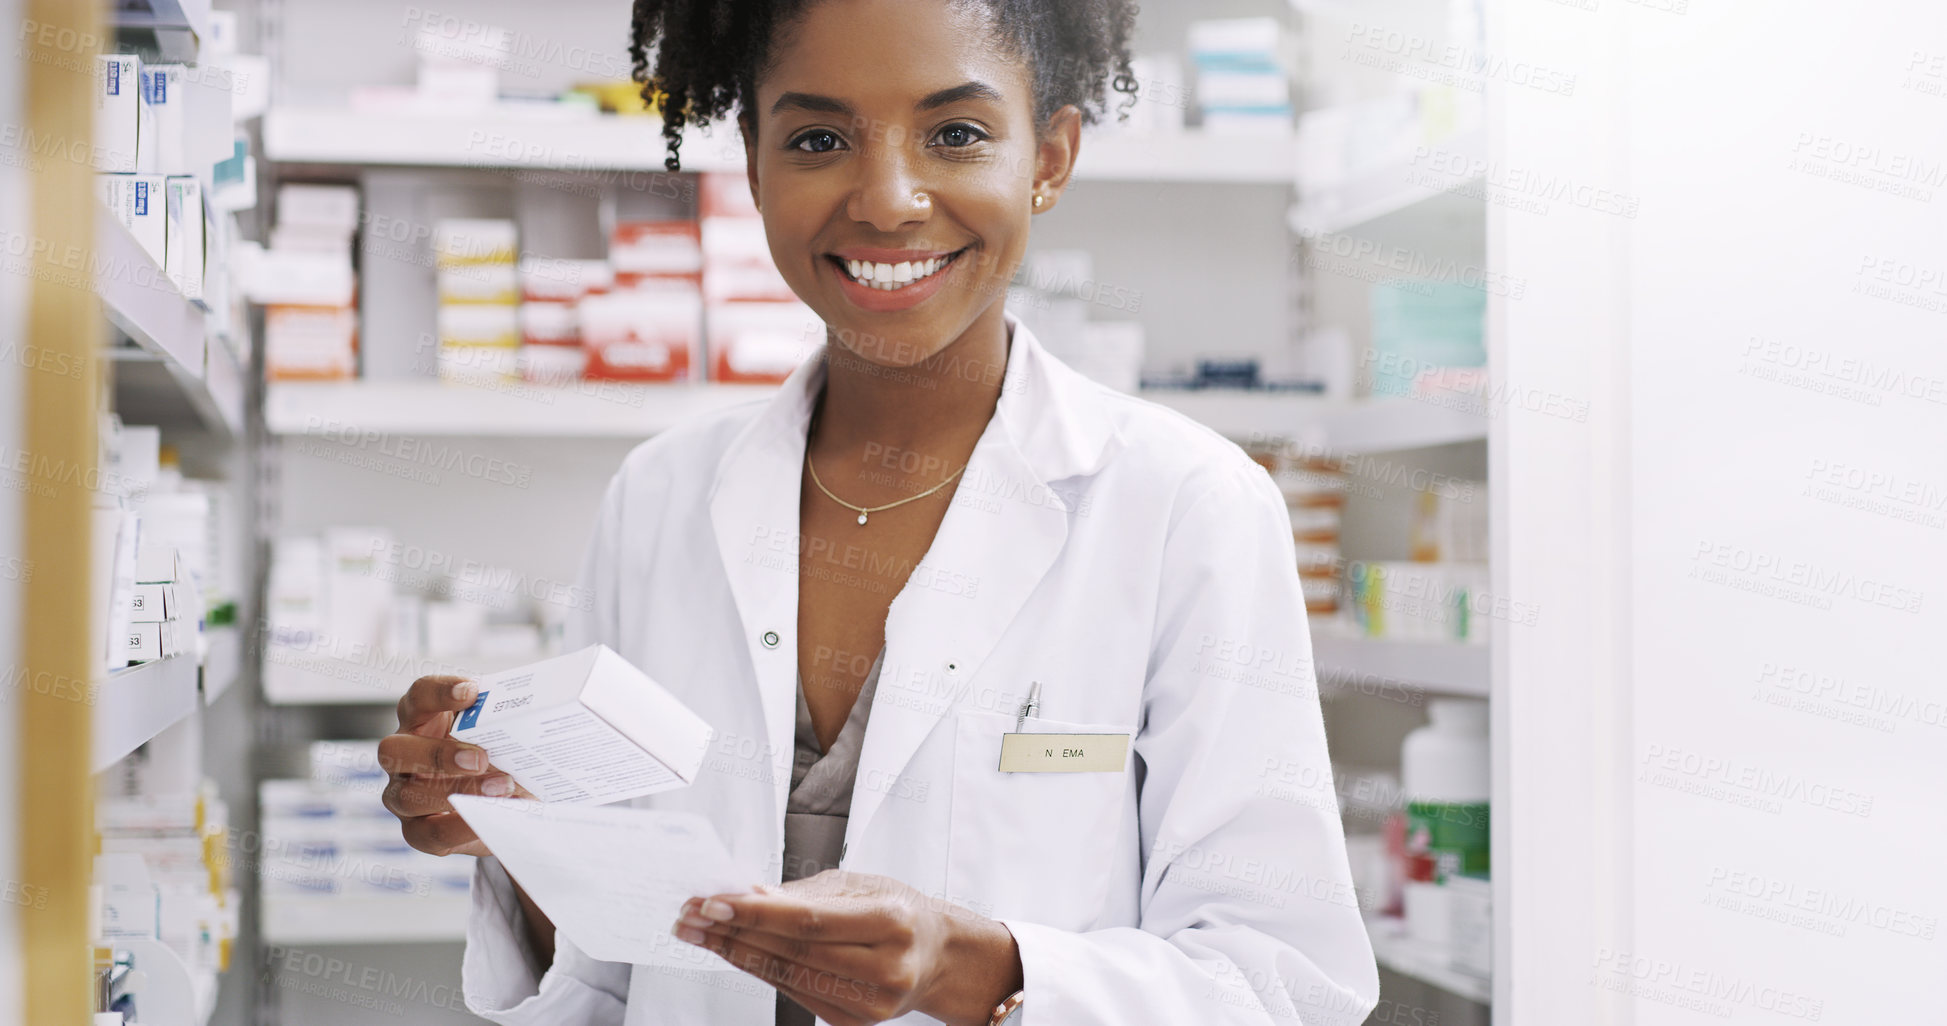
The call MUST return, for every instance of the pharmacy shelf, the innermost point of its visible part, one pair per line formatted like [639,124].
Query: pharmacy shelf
[1388,188]
[223,663]
[428,407]
[172,374]
[135,704]
[294,677]
[140,300]
[1397,950]
[598,410]
[174,27]
[1440,667]
[336,919]
[1349,426]
[568,140]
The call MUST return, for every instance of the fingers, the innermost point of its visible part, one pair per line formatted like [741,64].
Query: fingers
[443,833]
[837,998]
[426,756]
[411,796]
[844,918]
[429,704]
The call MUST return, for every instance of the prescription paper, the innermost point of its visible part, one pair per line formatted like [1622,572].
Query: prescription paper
[613,879]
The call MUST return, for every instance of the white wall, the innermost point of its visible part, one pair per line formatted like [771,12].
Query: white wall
[1724,735]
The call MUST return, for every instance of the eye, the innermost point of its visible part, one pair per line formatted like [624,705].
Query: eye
[959,135]
[816,141]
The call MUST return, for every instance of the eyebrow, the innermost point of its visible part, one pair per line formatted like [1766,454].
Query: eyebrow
[827,105]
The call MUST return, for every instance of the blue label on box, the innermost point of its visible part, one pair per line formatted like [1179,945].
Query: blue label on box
[472,714]
[141,199]
[114,78]
[158,84]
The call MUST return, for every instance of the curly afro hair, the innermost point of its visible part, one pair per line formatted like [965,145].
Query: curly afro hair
[707,54]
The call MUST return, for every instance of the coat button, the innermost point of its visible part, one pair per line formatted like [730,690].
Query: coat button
[770,639]
[952,668]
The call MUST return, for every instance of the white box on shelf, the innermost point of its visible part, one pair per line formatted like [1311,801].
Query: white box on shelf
[152,603]
[144,643]
[329,206]
[585,727]
[185,252]
[162,90]
[358,592]
[118,111]
[139,203]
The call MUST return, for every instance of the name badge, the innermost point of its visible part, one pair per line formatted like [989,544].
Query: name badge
[1064,753]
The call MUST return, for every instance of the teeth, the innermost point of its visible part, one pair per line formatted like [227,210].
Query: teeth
[889,277]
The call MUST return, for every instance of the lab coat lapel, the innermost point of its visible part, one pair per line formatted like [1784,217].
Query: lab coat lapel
[1004,530]
[754,512]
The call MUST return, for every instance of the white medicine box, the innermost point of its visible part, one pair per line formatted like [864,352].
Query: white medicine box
[587,727]
[144,642]
[184,262]
[118,112]
[168,122]
[139,203]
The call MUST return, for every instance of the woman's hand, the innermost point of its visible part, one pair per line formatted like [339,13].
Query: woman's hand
[427,766]
[855,948]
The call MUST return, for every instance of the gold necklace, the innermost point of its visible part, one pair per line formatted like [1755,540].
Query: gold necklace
[864,511]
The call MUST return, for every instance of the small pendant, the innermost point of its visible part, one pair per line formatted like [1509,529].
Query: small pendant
[861,520]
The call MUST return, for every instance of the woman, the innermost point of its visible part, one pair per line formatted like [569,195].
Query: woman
[946,536]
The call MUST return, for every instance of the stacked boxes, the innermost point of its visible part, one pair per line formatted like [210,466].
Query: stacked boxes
[759,330]
[479,298]
[650,326]
[1315,489]
[331,837]
[305,281]
[552,291]
[152,148]
[164,873]
[1241,85]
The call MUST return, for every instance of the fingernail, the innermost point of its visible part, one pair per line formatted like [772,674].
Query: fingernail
[689,935]
[718,910]
[471,759]
[692,919]
[464,691]
[497,787]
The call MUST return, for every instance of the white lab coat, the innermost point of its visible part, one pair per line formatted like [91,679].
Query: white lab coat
[1136,564]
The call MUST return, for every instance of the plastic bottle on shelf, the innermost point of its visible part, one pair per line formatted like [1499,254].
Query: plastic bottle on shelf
[1444,769]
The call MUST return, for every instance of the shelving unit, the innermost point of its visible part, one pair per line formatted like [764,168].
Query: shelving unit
[223,663]
[335,919]
[1388,188]
[296,678]
[173,372]
[1440,667]
[429,407]
[1428,963]
[570,140]
[133,705]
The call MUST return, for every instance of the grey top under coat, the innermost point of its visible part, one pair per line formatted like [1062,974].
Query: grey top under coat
[820,802]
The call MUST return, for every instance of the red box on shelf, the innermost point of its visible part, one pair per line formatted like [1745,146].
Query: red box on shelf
[643,334]
[761,343]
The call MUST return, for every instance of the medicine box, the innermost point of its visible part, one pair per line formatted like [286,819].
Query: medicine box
[139,203]
[144,642]
[118,111]
[587,727]
[153,603]
[162,90]
[184,259]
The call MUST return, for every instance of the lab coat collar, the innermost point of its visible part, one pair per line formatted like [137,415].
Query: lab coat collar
[1049,424]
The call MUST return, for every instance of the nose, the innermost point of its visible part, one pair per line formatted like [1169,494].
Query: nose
[889,194]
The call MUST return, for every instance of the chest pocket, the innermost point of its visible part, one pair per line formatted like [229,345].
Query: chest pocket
[1035,846]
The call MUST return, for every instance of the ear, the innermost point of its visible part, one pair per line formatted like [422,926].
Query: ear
[1060,142]
[748,129]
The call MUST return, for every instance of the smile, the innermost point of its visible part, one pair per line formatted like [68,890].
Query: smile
[895,276]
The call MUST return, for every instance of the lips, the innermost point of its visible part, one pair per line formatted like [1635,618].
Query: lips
[871,278]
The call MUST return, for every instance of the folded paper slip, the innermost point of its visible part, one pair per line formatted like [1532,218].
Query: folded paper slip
[585,727]
[612,879]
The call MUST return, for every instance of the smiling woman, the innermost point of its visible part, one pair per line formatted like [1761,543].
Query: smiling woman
[1005,581]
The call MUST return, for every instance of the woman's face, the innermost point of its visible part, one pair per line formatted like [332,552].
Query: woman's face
[896,139]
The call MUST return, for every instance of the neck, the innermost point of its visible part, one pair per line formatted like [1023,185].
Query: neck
[941,402]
